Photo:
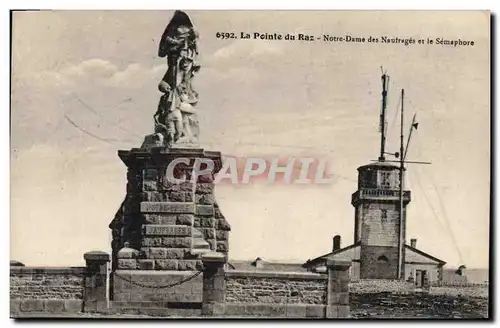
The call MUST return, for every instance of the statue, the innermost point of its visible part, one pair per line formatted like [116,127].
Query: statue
[176,120]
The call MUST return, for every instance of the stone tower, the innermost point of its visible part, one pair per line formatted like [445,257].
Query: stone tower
[377,220]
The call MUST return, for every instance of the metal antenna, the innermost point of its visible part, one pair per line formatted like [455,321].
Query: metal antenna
[382,125]
[401,193]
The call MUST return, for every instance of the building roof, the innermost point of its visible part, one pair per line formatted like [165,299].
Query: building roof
[248,265]
[425,254]
[390,165]
[321,258]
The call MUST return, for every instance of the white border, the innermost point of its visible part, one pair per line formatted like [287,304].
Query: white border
[181,4]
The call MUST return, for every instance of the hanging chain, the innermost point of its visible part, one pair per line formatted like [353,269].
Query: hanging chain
[156,286]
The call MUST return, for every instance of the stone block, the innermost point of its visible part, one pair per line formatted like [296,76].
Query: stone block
[170,207]
[205,210]
[177,242]
[339,298]
[222,235]
[213,309]
[296,311]
[212,243]
[187,186]
[222,224]
[185,219]
[205,188]
[152,242]
[266,310]
[32,305]
[200,243]
[235,309]
[208,233]
[150,174]
[15,305]
[184,298]
[166,230]
[206,199]
[190,265]
[149,295]
[98,256]
[164,219]
[54,306]
[146,264]
[73,306]
[128,253]
[121,296]
[315,311]
[343,311]
[154,196]
[127,264]
[222,246]
[150,185]
[169,242]
[332,311]
[166,264]
[166,253]
[177,196]
[184,288]
[207,222]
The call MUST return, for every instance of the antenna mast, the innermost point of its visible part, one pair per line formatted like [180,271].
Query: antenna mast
[401,193]
[382,126]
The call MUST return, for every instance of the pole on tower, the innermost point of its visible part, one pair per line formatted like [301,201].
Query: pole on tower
[401,194]
[382,126]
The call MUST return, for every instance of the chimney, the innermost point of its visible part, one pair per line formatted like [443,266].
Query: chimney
[258,263]
[413,243]
[336,243]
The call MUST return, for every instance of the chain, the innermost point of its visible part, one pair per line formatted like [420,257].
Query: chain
[156,286]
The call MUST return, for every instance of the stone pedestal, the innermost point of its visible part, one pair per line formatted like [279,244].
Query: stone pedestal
[337,305]
[166,225]
[214,284]
[95,284]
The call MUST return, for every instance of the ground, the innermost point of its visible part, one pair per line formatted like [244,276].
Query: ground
[368,306]
[389,305]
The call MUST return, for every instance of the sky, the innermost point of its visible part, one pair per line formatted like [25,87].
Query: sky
[84,85]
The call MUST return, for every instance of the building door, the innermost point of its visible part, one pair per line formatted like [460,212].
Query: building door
[420,278]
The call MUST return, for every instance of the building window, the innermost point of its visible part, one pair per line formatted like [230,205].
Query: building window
[385,180]
[384,214]
[383,259]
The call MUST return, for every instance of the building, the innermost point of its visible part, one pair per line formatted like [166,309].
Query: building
[380,250]
[377,235]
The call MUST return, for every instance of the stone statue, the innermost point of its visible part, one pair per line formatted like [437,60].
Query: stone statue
[176,120]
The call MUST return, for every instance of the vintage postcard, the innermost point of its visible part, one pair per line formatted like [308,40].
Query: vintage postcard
[250,164]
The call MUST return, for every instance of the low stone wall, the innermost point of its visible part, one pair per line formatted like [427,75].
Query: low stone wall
[37,289]
[274,294]
[380,285]
[277,287]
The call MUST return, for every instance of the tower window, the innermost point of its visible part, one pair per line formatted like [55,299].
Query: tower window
[383,259]
[385,180]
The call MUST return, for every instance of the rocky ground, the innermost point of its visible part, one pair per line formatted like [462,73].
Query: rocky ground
[417,306]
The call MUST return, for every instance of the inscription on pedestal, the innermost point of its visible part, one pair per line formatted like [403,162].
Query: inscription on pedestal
[165,230]
[167,207]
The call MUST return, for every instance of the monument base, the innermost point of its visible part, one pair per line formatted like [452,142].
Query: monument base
[164,225]
[145,288]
